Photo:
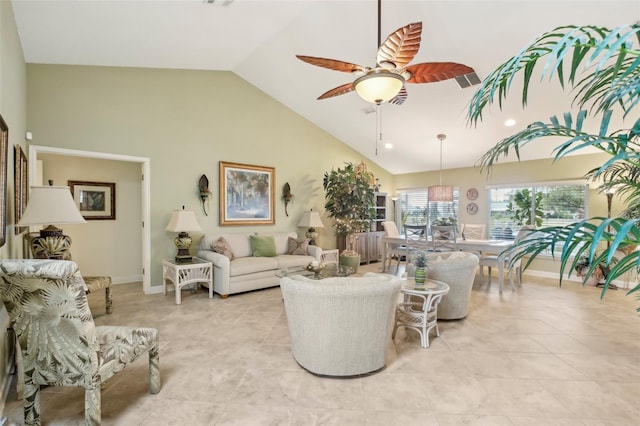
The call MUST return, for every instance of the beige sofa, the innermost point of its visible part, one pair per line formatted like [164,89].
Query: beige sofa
[246,271]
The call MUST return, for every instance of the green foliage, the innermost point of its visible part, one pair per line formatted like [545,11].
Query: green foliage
[445,221]
[519,208]
[349,199]
[604,73]
[419,259]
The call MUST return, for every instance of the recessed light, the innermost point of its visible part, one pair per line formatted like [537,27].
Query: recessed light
[388,145]
[510,122]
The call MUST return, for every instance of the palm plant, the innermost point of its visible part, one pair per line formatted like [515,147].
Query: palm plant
[604,71]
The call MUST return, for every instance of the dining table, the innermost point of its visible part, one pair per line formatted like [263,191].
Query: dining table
[485,246]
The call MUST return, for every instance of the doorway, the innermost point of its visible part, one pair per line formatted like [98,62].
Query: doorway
[143,162]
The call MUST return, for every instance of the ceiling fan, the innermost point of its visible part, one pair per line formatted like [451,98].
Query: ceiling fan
[386,80]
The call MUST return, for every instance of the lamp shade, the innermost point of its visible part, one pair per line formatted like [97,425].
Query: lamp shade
[440,193]
[310,219]
[50,205]
[183,221]
[378,85]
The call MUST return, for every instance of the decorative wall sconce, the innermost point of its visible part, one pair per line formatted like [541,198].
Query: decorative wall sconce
[205,194]
[287,196]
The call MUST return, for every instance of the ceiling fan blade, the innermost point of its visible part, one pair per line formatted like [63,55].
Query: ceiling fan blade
[337,91]
[429,72]
[400,97]
[332,64]
[400,47]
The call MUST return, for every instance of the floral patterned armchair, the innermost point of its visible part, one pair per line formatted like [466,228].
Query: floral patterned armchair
[60,344]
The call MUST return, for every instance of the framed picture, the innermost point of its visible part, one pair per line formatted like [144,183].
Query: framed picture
[21,186]
[246,194]
[4,146]
[95,200]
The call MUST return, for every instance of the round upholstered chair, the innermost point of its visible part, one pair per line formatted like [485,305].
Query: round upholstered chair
[341,326]
[458,270]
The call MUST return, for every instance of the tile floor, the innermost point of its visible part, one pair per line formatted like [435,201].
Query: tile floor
[544,355]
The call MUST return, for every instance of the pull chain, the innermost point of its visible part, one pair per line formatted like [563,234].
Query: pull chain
[378,125]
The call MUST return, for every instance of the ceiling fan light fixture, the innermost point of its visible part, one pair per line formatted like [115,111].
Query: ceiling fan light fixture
[378,85]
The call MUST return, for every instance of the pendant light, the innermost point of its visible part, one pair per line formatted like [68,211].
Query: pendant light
[441,192]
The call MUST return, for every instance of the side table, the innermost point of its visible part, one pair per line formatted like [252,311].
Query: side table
[183,273]
[419,308]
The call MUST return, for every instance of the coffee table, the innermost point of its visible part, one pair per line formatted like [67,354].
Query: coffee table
[331,270]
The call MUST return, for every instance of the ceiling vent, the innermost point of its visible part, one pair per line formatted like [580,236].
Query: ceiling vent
[467,80]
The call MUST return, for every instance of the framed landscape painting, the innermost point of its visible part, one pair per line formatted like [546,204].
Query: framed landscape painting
[95,200]
[246,194]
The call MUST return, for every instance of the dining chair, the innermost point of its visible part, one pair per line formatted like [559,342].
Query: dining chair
[443,238]
[415,240]
[58,340]
[394,250]
[474,231]
[501,260]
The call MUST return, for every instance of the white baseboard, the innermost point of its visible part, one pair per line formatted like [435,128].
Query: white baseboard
[554,275]
[126,279]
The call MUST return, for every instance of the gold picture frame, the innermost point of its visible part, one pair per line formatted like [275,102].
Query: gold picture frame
[95,200]
[246,194]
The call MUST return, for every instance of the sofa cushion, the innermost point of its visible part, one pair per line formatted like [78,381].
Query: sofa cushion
[222,246]
[250,265]
[239,244]
[263,245]
[297,245]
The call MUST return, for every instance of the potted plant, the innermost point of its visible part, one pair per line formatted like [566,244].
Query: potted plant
[420,262]
[601,66]
[349,202]
[444,221]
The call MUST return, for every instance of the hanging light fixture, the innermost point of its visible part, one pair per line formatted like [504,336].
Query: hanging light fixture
[441,192]
[378,85]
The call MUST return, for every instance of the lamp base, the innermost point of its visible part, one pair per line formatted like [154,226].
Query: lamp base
[311,234]
[183,243]
[51,244]
[183,256]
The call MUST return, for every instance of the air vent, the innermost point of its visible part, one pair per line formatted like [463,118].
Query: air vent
[467,80]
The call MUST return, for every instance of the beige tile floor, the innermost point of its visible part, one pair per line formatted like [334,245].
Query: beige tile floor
[544,355]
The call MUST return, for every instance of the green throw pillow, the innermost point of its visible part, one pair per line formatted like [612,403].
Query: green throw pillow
[263,245]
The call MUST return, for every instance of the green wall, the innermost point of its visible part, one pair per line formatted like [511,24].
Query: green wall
[13,110]
[186,122]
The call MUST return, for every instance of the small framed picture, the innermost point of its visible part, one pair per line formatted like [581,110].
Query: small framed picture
[95,200]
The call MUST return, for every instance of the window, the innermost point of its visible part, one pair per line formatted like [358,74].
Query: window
[415,208]
[543,205]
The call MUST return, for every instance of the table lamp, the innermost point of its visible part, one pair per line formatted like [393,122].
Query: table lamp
[51,205]
[183,221]
[311,220]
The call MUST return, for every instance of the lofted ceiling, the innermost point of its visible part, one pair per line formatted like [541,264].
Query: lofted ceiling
[258,40]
